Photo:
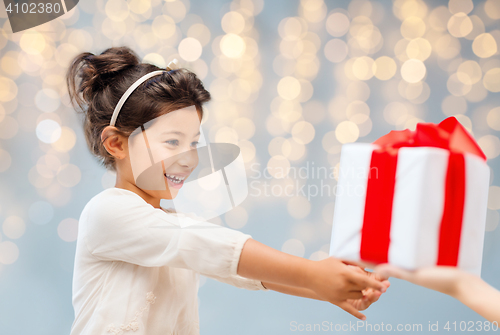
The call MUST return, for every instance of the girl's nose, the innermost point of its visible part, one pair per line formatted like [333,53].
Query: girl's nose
[188,158]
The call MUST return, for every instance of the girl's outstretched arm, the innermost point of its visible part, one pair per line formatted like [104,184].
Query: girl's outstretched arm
[469,289]
[329,279]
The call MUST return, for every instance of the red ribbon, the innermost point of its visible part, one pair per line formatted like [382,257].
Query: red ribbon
[449,135]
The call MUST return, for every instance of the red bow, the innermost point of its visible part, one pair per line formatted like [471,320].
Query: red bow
[449,134]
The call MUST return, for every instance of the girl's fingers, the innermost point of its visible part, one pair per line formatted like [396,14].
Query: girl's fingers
[354,295]
[350,309]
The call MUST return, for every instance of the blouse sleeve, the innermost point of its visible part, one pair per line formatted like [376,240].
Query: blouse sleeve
[126,228]
[240,282]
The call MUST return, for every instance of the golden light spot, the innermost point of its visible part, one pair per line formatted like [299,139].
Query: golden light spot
[65,53]
[275,145]
[413,27]
[8,89]
[8,127]
[336,50]
[363,68]
[69,175]
[413,70]
[200,32]
[190,49]
[176,9]
[233,22]
[303,132]
[9,252]
[411,123]
[232,46]
[298,207]
[358,112]
[337,24]
[156,59]
[400,49]
[226,135]
[419,48]
[278,166]
[447,46]
[469,72]
[490,145]
[244,127]
[453,105]
[457,6]
[394,112]
[14,227]
[289,88]
[117,10]
[163,26]
[477,27]
[293,150]
[358,90]
[385,68]
[409,8]
[438,18]
[113,29]
[292,28]
[492,9]
[459,25]
[32,42]
[457,87]
[493,118]
[10,64]
[484,45]
[139,6]
[313,10]
[347,132]
[236,218]
[67,140]
[330,143]
[306,90]
[477,93]
[491,80]
[68,230]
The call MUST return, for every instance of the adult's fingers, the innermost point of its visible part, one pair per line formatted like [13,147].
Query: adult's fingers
[350,309]
[387,270]
[364,281]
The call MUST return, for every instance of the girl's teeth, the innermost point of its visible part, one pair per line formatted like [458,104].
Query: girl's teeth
[175,179]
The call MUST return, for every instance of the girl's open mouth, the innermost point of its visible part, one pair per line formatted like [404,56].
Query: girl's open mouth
[174,181]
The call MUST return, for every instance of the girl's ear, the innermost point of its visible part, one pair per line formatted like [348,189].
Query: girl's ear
[114,142]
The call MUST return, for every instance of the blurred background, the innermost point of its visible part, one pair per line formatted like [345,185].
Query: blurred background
[291,81]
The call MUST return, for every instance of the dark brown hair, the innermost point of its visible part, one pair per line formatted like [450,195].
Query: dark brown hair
[97,82]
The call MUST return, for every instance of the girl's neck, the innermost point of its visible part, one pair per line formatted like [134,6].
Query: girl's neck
[123,183]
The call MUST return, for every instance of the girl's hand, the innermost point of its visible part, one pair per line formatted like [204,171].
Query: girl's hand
[445,279]
[369,295]
[345,285]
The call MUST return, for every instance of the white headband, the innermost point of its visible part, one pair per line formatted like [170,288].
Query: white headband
[171,66]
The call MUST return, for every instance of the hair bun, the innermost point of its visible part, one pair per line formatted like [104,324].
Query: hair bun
[98,71]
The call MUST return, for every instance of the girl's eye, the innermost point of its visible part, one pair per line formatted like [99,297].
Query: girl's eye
[173,142]
[194,144]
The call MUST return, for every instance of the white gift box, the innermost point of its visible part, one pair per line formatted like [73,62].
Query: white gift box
[417,207]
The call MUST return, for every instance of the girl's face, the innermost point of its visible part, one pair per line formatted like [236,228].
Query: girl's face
[163,152]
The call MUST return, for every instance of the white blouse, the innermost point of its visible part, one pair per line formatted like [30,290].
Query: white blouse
[131,276]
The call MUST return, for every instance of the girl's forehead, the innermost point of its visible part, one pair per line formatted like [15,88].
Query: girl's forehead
[184,118]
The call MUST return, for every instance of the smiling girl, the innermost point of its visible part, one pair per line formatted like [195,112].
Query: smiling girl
[130,277]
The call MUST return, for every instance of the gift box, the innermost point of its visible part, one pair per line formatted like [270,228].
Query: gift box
[413,199]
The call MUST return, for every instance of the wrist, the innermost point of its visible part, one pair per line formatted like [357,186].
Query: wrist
[465,284]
